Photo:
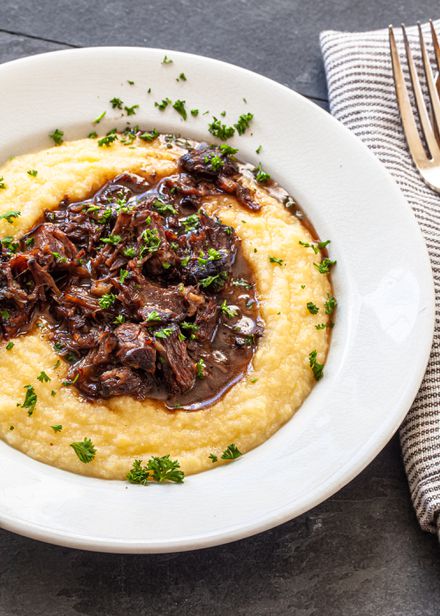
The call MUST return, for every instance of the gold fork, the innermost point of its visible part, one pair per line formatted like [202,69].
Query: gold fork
[427,160]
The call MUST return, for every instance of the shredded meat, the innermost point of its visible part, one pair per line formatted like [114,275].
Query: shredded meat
[135,285]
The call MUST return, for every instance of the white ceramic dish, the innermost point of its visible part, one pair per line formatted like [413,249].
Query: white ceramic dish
[383,283]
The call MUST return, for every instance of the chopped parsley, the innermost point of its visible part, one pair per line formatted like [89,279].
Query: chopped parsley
[10,215]
[107,140]
[227,150]
[218,280]
[153,316]
[85,450]
[43,377]
[227,310]
[190,327]
[59,258]
[130,82]
[164,333]
[181,77]
[149,135]
[119,319]
[321,326]
[111,239]
[163,104]
[4,314]
[99,118]
[151,241]
[179,106]
[2,182]
[116,103]
[158,469]
[330,304]
[212,255]
[92,135]
[32,172]
[9,346]
[200,368]
[57,136]
[276,260]
[243,122]
[215,162]
[312,308]
[30,400]
[324,266]
[261,176]
[220,130]
[123,273]
[163,208]
[213,457]
[259,149]
[131,110]
[167,60]
[107,300]
[190,222]
[316,246]
[129,252]
[194,112]
[231,452]
[317,368]
[57,428]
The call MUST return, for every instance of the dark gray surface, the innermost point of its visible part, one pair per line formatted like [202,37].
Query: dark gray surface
[359,553]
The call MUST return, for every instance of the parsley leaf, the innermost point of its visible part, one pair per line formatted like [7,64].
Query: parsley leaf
[243,122]
[32,172]
[330,304]
[220,130]
[30,400]
[116,103]
[213,457]
[200,368]
[57,428]
[99,118]
[85,450]
[43,377]
[179,106]
[324,266]
[131,110]
[312,308]
[107,300]
[276,260]
[149,136]
[231,452]
[261,176]
[9,346]
[57,136]
[10,215]
[228,311]
[317,368]
[159,469]
[167,60]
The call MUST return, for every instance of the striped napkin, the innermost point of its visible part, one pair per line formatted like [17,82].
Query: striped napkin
[362,96]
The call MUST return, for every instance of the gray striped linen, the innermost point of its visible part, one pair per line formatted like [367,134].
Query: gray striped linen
[361,94]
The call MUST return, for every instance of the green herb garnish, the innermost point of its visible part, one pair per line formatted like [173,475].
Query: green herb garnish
[312,308]
[227,310]
[324,266]
[317,368]
[32,172]
[158,469]
[30,400]
[85,450]
[243,122]
[43,377]
[220,130]
[107,300]
[231,452]
[10,215]
[57,136]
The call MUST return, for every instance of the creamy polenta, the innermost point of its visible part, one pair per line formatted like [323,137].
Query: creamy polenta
[124,429]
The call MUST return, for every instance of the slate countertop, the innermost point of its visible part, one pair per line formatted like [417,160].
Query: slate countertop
[359,553]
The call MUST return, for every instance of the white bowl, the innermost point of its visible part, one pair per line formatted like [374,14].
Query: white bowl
[383,282]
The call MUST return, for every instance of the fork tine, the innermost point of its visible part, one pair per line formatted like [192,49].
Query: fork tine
[408,122]
[432,89]
[435,44]
[425,123]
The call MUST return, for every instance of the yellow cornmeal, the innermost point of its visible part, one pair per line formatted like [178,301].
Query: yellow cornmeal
[121,428]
